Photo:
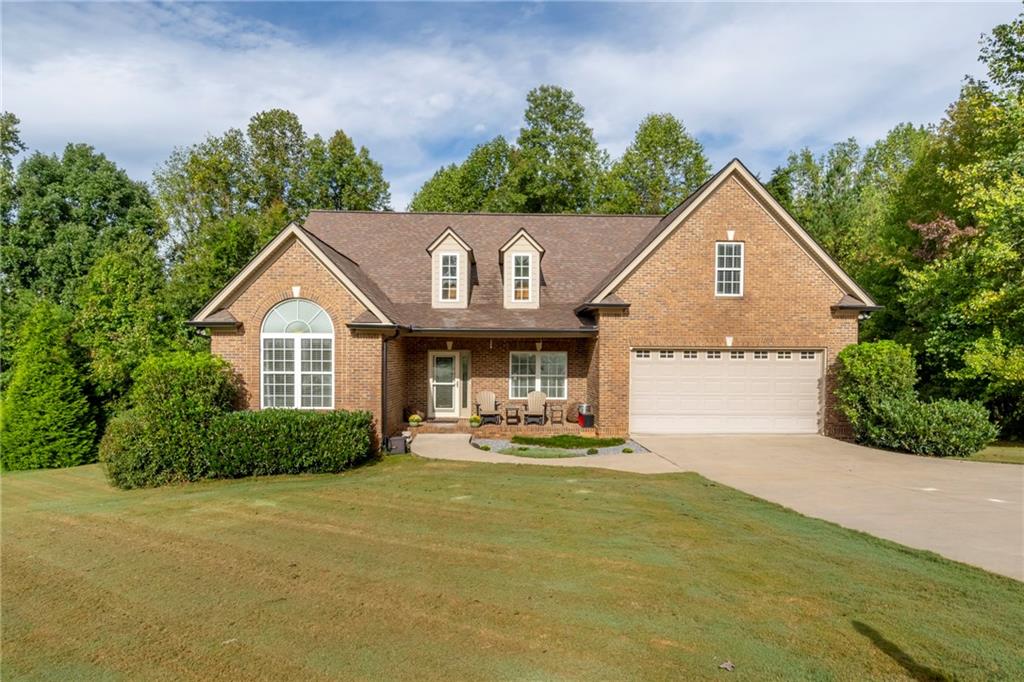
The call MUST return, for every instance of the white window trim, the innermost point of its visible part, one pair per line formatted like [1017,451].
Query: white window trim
[297,363]
[536,377]
[742,268]
[529,278]
[441,277]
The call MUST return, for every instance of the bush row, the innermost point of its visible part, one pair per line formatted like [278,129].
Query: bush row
[181,428]
[875,391]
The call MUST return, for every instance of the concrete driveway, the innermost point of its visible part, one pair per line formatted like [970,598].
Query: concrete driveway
[967,511]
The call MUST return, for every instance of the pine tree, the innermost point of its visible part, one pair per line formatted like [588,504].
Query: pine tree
[47,418]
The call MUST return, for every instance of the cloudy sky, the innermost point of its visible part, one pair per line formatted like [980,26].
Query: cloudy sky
[421,84]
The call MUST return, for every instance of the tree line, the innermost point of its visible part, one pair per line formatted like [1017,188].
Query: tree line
[99,271]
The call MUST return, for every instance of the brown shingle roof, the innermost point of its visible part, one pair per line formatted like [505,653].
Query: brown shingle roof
[383,254]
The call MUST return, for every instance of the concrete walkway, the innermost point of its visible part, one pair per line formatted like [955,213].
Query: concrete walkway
[455,446]
[967,511]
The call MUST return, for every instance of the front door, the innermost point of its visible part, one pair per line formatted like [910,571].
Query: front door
[444,385]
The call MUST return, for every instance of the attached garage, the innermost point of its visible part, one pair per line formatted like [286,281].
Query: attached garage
[725,391]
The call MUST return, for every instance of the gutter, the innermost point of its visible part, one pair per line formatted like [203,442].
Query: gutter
[384,385]
[213,325]
[588,307]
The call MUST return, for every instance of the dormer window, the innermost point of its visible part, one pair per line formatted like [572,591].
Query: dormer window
[451,266]
[520,262]
[521,276]
[450,277]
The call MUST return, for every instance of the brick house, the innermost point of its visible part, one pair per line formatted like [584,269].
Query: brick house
[723,316]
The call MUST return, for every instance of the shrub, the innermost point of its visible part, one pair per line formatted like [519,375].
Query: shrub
[943,428]
[127,453]
[592,451]
[175,397]
[48,421]
[870,374]
[627,451]
[272,442]
[485,448]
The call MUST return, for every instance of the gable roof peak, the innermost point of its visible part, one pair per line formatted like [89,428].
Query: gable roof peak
[521,233]
[450,232]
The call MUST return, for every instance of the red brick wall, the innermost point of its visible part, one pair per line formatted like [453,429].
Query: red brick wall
[490,365]
[786,301]
[357,356]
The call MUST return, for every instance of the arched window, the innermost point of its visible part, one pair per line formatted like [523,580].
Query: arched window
[297,356]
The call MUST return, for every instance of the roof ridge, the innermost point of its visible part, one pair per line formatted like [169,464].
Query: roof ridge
[492,213]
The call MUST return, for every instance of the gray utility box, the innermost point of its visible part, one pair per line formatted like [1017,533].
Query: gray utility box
[397,445]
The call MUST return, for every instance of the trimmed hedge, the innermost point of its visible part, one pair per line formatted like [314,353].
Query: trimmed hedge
[869,374]
[272,442]
[181,429]
[875,391]
[943,428]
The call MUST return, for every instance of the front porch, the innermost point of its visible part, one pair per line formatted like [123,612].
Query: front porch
[503,430]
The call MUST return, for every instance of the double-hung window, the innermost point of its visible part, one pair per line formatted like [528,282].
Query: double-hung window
[521,276]
[728,268]
[449,277]
[297,356]
[537,372]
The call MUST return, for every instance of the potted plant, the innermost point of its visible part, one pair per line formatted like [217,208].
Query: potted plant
[474,421]
[415,420]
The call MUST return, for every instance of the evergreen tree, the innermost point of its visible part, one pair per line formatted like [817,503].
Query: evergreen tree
[47,418]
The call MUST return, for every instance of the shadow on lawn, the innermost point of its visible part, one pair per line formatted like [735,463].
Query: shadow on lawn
[893,651]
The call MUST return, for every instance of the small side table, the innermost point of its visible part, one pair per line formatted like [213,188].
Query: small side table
[512,414]
[556,413]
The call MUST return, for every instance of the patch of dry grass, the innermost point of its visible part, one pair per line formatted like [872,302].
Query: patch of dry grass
[473,571]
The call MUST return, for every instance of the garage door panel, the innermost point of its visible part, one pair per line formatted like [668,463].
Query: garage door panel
[725,394]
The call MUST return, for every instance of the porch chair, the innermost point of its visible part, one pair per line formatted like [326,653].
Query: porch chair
[536,408]
[487,408]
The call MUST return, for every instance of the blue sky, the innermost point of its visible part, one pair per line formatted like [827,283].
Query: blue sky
[420,84]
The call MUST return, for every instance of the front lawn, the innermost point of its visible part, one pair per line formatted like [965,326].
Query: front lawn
[568,441]
[1006,452]
[449,570]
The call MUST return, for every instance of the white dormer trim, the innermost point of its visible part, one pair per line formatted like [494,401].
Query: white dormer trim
[449,232]
[458,277]
[520,234]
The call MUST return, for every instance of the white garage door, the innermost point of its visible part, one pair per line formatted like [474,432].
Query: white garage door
[707,391]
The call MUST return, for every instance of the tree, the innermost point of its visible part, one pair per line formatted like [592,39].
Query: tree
[121,317]
[218,250]
[47,419]
[272,163]
[10,146]
[662,165]
[68,211]
[480,183]
[341,178]
[559,162]
[1003,54]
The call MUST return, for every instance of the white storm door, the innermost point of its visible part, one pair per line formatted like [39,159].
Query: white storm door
[444,385]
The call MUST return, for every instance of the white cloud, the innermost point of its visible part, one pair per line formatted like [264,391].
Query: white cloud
[752,81]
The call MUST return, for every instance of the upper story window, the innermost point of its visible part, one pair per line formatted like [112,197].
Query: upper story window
[729,268]
[297,356]
[449,277]
[522,265]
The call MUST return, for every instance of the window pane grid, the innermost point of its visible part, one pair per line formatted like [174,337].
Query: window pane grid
[537,372]
[449,277]
[729,269]
[521,278]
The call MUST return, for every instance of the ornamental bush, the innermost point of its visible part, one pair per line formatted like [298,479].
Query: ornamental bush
[875,391]
[272,442]
[943,428]
[162,439]
[870,374]
[47,418]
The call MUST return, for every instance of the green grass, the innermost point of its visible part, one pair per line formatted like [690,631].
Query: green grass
[539,453]
[567,441]
[452,570]
[1006,452]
